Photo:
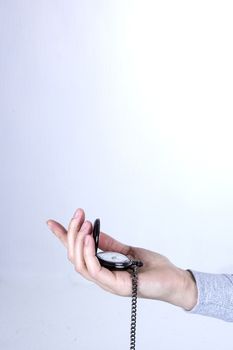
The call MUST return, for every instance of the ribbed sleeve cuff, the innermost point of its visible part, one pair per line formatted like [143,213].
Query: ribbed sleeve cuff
[215,295]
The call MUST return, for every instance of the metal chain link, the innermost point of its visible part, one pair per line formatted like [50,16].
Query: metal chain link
[134,277]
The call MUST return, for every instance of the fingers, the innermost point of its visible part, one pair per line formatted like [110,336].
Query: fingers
[73,229]
[58,230]
[68,237]
[98,274]
[81,250]
[86,262]
[106,242]
[79,262]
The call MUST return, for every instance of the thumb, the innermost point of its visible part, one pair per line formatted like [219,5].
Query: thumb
[108,243]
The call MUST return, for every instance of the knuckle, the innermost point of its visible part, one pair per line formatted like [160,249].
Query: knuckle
[91,272]
[94,272]
[72,223]
[70,256]
[86,225]
[78,268]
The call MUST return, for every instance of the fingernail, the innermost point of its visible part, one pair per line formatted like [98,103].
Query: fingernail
[76,213]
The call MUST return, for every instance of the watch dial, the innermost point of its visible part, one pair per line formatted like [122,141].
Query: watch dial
[114,257]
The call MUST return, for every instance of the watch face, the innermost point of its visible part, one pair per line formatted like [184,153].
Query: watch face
[114,257]
[114,260]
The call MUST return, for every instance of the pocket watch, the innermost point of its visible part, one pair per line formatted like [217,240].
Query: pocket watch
[109,259]
[119,262]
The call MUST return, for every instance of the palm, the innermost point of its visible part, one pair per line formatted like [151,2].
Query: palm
[155,276]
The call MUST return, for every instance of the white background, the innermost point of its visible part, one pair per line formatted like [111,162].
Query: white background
[122,108]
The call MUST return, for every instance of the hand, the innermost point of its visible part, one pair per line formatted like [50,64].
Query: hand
[158,278]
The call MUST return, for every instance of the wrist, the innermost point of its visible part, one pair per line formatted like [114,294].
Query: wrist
[184,292]
[190,292]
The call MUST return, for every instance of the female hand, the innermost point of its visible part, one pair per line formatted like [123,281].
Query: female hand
[158,278]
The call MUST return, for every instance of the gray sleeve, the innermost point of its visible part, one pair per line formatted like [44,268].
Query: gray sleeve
[215,295]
